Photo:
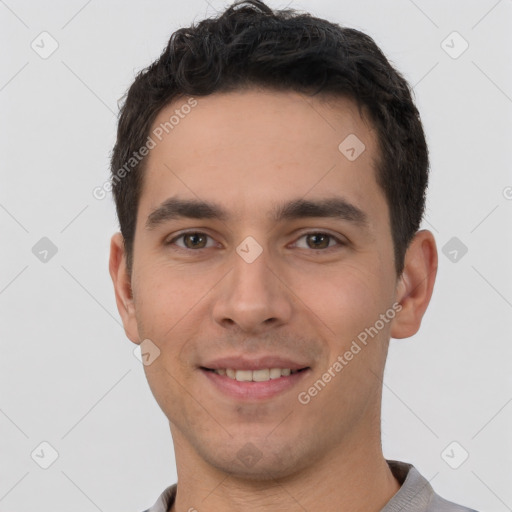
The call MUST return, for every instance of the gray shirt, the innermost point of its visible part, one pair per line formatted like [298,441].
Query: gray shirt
[414,495]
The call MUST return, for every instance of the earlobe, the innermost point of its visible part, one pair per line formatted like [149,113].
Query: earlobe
[416,284]
[122,287]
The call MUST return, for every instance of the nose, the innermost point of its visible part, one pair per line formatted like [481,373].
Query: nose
[253,296]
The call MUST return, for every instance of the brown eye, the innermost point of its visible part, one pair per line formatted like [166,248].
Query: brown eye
[194,240]
[318,240]
[191,240]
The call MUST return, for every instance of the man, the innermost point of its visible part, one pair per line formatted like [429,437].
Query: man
[269,174]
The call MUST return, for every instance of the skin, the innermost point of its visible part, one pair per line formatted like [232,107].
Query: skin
[248,150]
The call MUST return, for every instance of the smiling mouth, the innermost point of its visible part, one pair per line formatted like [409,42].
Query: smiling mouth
[261,375]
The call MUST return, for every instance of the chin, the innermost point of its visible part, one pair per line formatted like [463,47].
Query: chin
[256,460]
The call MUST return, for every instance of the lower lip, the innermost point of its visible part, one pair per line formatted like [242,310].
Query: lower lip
[244,390]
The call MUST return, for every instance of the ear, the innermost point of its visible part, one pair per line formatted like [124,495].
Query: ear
[415,285]
[122,286]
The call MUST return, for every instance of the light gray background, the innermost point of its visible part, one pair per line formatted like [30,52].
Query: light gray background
[68,375]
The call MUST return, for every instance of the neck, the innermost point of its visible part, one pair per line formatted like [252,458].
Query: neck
[354,477]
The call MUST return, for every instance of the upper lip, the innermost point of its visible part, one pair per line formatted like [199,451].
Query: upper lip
[254,363]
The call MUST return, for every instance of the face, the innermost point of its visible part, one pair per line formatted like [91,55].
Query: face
[263,249]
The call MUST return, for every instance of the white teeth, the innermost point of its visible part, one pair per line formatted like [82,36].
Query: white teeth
[261,375]
[256,375]
[243,375]
[275,373]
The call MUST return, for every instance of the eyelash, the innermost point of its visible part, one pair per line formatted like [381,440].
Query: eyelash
[340,243]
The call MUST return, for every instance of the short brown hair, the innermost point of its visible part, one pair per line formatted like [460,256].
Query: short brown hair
[250,44]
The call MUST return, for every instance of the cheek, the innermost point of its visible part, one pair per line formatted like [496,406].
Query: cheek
[166,296]
[344,298]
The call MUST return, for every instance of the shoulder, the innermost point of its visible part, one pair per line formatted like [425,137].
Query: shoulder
[439,504]
[164,501]
[416,494]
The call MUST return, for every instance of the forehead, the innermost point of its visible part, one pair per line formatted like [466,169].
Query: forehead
[246,149]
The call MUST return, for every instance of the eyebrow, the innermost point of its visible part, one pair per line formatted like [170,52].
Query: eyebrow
[335,207]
